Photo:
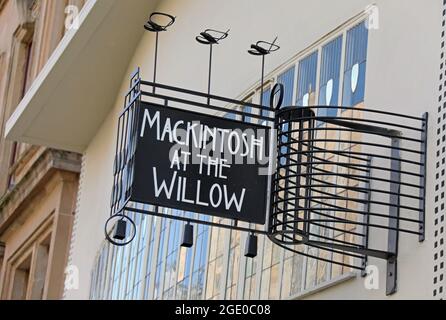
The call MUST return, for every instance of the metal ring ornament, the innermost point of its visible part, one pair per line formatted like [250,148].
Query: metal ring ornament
[152,26]
[276,98]
[110,239]
[263,48]
[210,36]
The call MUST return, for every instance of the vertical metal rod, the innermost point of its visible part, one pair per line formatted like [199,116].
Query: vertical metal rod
[263,80]
[210,73]
[368,196]
[394,211]
[156,61]
[300,155]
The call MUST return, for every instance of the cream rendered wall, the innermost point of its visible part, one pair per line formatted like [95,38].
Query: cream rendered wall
[402,72]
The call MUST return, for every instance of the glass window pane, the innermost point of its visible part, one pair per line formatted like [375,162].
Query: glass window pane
[287,79]
[274,282]
[311,270]
[265,100]
[306,80]
[286,282]
[248,110]
[296,282]
[264,285]
[355,65]
[329,81]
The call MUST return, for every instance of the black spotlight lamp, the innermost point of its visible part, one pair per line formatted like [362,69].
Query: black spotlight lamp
[188,236]
[251,246]
[120,230]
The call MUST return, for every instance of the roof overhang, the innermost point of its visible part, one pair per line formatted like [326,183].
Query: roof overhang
[78,86]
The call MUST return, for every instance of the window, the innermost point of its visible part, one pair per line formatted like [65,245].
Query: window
[330,72]
[184,269]
[160,259]
[234,265]
[22,67]
[217,253]
[355,65]
[247,110]
[200,261]
[306,80]
[150,255]
[231,116]
[287,80]
[265,100]
[21,280]
[26,271]
[250,279]
[170,270]
[135,279]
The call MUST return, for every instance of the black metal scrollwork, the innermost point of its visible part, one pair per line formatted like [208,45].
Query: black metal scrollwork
[153,26]
[263,48]
[277,94]
[211,36]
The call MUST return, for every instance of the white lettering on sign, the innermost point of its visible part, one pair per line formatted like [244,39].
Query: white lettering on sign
[217,193]
[190,163]
[198,136]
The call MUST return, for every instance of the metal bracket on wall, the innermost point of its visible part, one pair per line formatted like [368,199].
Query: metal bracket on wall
[394,214]
[423,174]
[331,182]
[365,240]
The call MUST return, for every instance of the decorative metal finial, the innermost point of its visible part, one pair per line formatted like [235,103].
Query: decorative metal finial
[263,48]
[211,37]
[158,27]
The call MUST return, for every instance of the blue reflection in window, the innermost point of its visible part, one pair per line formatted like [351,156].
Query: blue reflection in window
[247,110]
[330,72]
[231,116]
[306,79]
[265,101]
[287,79]
[160,260]
[200,261]
[355,65]
[150,255]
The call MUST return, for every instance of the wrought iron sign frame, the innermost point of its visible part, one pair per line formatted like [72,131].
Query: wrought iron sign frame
[304,196]
[127,138]
[379,157]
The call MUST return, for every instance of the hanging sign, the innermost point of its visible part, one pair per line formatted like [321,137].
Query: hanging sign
[200,163]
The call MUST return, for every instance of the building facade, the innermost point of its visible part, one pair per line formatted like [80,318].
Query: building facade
[385,55]
[38,185]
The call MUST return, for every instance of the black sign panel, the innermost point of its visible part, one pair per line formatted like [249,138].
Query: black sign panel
[199,163]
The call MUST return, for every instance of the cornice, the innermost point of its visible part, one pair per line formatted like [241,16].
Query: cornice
[50,161]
